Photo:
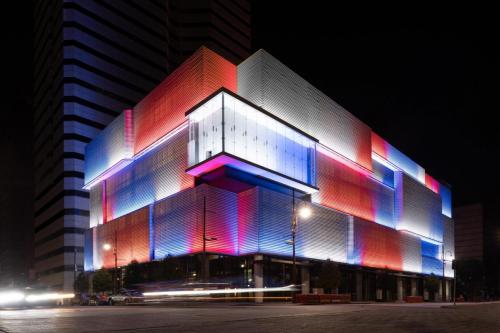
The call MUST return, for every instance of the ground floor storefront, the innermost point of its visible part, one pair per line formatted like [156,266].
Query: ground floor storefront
[266,271]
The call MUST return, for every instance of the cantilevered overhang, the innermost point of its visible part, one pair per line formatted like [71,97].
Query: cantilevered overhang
[227,130]
[224,159]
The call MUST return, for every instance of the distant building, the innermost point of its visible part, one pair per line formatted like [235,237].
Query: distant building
[477,236]
[92,59]
[214,162]
[469,232]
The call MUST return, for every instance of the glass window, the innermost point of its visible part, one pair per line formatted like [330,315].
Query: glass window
[250,135]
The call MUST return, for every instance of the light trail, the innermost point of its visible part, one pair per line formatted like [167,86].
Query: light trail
[218,291]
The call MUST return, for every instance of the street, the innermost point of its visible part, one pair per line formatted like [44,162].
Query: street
[247,317]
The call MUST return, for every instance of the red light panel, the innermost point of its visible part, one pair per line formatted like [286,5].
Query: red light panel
[164,108]
[349,191]
[132,235]
[377,246]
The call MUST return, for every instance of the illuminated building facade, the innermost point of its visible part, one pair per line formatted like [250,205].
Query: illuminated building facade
[224,152]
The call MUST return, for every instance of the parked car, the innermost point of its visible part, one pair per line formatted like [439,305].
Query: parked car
[102,298]
[126,296]
[80,299]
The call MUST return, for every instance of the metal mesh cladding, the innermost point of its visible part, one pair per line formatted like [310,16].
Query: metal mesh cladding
[164,108]
[265,81]
[178,222]
[132,239]
[155,176]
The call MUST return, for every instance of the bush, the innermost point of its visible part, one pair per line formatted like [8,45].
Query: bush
[432,284]
[134,274]
[102,280]
[163,270]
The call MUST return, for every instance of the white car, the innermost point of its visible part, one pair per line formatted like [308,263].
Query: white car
[126,296]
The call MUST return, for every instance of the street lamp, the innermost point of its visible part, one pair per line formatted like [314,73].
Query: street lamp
[444,261]
[107,247]
[205,240]
[304,212]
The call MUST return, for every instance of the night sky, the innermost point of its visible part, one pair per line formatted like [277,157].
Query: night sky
[425,84]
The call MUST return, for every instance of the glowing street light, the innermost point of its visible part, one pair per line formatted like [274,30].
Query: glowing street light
[204,267]
[107,247]
[304,212]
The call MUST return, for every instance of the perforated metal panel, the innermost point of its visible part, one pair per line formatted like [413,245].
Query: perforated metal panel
[388,152]
[163,109]
[449,244]
[383,173]
[178,222]
[132,239]
[353,192]
[96,216]
[432,266]
[265,81]
[412,252]
[418,209]
[248,221]
[88,254]
[110,146]
[265,227]
[431,263]
[431,183]
[445,194]
[377,246]
[154,176]
[176,225]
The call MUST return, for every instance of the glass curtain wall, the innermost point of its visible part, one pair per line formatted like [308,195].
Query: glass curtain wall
[251,135]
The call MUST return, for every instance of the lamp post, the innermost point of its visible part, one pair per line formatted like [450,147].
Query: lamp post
[444,261]
[108,247]
[205,239]
[454,264]
[443,284]
[304,212]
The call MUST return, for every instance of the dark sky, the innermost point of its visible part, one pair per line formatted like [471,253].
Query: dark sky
[424,83]
[16,204]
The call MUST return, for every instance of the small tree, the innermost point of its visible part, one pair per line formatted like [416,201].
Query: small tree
[172,268]
[432,284]
[102,281]
[329,277]
[134,274]
[82,283]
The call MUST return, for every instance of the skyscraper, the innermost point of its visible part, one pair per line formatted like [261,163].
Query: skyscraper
[222,26]
[93,59]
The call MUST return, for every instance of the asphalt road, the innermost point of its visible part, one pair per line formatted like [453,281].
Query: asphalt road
[222,318]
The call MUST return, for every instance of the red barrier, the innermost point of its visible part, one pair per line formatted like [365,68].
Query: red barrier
[414,299]
[322,298]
